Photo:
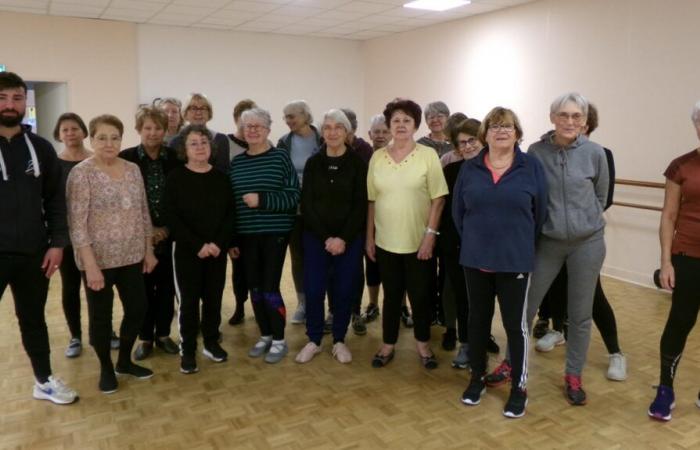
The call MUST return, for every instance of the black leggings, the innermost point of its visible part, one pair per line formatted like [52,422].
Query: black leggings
[29,288]
[264,258]
[70,292]
[238,280]
[685,304]
[402,273]
[554,307]
[160,292]
[453,270]
[511,290]
[198,279]
[130,285]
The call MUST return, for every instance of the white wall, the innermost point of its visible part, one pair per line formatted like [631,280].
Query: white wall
[271,69]
[51,102]
[636,59]
[96,59]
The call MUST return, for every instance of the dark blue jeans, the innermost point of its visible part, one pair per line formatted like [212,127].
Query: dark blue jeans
[335,274]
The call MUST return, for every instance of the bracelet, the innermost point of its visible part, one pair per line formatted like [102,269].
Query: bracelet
[429,230]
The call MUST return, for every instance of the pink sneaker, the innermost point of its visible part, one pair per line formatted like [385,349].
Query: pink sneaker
[307,353]
[341,352]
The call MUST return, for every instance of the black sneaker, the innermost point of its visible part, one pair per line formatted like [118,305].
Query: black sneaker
[135,371]
[515,406]
[476,388]
[188,365]
[574,391]
[214,352]
[168,345]
[492,346]
[358,325]
[108,382]
[143,351]
[371,313]
[541,328]
[449,339]
[406,318]
[238,316]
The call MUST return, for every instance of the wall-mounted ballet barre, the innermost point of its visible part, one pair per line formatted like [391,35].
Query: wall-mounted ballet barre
[646,184]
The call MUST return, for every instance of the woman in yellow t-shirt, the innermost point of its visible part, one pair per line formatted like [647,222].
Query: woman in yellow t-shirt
[405,187]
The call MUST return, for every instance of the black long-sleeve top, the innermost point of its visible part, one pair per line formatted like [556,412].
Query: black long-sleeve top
[334,195]
[199,208]
[32,200]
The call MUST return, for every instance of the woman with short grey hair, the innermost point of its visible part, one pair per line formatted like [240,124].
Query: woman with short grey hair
[436,115]
[334,199]
[573,234]
[302,141]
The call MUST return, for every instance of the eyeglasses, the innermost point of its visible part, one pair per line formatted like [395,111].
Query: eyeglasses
[496,127]
[436,116]
[255,127]
[469,142]
[565,117]
[198,109]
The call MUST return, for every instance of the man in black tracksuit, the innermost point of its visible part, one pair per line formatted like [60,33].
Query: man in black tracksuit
[33,230]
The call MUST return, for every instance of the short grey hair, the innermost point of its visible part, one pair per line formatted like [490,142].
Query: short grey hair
[377,119]
[337,116]
[573,97]
[257,113]
[352,117]
[695,114]
[435,108]
[299,106]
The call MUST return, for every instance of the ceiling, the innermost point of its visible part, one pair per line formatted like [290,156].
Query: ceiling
[346,19]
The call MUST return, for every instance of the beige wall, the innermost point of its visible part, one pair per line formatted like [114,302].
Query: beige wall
[634,58]
[271,69]
[97,60]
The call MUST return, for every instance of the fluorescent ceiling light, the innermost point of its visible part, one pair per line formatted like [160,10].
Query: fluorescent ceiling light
[436,5]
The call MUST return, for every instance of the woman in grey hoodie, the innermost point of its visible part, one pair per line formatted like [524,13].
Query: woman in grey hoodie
[577,174]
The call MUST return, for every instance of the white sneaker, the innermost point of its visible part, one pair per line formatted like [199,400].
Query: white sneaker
[299,316]
[56,391]
[75,347]
[617,368]
[550,340]
[307,353]
[341,352]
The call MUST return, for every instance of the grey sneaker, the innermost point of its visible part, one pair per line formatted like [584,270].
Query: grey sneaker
[299,316]
[617,368]
[358,325]
[461,361]
[114,341]
[260,348]
[549,341]
[75,348]
[277,351]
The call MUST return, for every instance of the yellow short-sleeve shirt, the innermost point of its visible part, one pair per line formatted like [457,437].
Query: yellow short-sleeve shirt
[402,194]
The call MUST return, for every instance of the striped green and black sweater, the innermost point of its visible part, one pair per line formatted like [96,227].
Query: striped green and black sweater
[271,175]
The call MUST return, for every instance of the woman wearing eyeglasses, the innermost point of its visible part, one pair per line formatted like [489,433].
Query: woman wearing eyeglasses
[499,206]
[266,191]
[577,175]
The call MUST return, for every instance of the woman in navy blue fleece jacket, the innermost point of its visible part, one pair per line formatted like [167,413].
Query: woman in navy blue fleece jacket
[499,205]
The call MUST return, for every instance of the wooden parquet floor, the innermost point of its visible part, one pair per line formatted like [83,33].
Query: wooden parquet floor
[247,404]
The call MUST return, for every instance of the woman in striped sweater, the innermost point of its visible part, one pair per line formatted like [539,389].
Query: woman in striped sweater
[266,191]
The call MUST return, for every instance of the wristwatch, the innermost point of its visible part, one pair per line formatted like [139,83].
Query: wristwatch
[429,230]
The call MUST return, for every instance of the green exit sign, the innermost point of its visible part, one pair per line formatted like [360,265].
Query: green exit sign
[2,67]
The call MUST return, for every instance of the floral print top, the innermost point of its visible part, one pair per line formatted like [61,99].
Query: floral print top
[110,215]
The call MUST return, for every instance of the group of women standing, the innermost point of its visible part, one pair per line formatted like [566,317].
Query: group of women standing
[512,220]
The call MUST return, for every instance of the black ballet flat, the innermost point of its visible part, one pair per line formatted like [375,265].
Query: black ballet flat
[382,360]
[429,362]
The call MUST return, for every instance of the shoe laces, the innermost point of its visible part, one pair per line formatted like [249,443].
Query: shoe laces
[503,368]
[58,385]
[573,382]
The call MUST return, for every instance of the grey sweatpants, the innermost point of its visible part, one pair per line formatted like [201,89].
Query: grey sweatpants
[584,259]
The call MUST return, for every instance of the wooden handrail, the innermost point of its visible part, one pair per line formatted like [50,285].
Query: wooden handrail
[649,184]
[638,206]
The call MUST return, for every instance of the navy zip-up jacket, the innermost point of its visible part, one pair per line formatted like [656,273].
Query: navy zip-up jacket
[499,222]
[32,208]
